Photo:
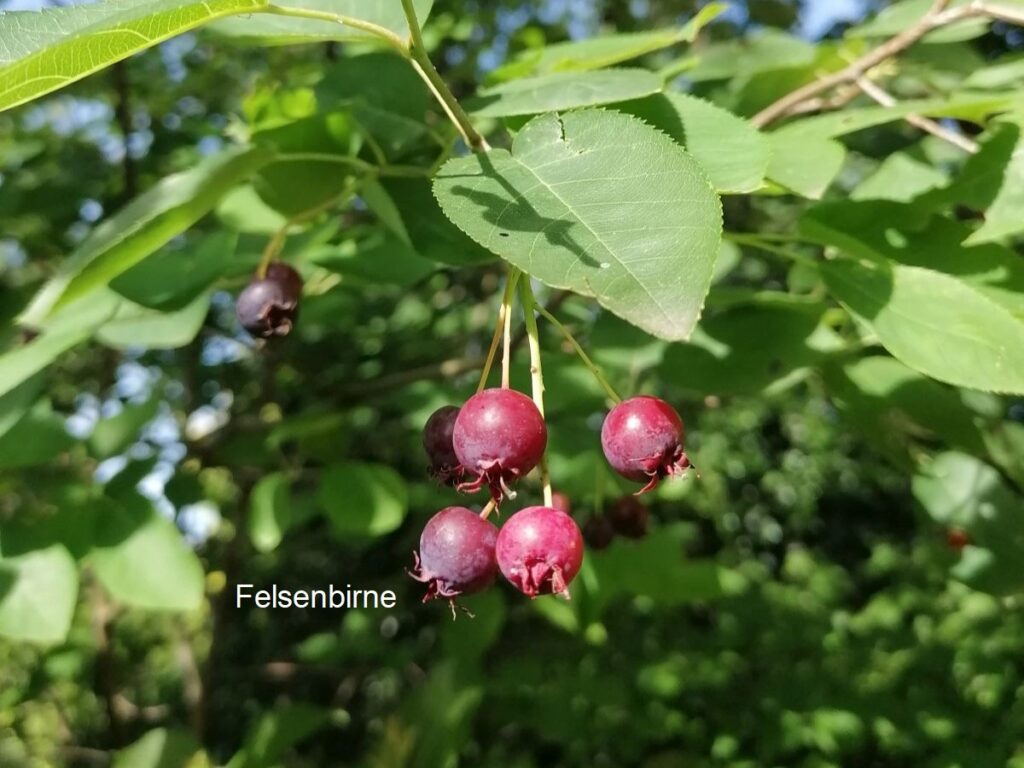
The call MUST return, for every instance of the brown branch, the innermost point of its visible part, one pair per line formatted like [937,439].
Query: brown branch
[918,121]
[106,666]
[937,16]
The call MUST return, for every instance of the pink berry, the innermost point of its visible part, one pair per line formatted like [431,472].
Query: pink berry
[643,440]
[456,554]
[561,502]
[540,551]
[628,517]
[437,442]
[499,436]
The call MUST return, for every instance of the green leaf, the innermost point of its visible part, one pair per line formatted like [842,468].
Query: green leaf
[934,323]
[141,558]
[275,733]
[115,434]
[1000,180]
[432,234]
[17,402]
[899,16]
[162,748]
[601,52]
[883,231]
[70,328]
[270,512]
[36,439]
[806,165]
[383,94]
[665,576]
[381,259]
[144,225]
[564,90]
[38,591]
[733,153]
[41,51]
[363,500]
[598,203]
[729,354]
[173,278]
[266,29]
[890,402]
[960,491]
[900,177]
[136,326]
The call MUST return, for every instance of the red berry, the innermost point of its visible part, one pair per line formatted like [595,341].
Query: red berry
[598,532]
[957,539]
[456,554]
[499,436]
[437,442]
[561,502]
[540,551]
[268,306]
[628,517]
[643,440]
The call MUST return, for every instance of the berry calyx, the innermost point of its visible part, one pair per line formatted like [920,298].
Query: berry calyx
[540,551]
[437,442]
[268,306]
[628,517]
[642,439]
[499,436]
[598,532]
[456,555]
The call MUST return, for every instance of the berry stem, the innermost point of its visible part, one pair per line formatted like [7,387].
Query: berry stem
[591,365]
[506,316]
[349,21]
[276,243]
[499,329]
[490,507]
[425,68]
[530,306]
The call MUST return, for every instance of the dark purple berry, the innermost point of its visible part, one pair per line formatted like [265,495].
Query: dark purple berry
[628,517]
[499,436]
[643,441]
[540,551]
[437,442]
[287,277]
[598,532]
[456,555]
[268,306]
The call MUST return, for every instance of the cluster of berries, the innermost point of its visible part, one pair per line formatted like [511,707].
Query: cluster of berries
[269,305]
[495,438]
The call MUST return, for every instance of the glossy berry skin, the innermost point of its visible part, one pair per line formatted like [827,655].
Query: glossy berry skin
[499,436]
[456,555]
[540,551]
[437,442]
[628,517]
[268,306]
[286,276]
[598,532]
[642,439]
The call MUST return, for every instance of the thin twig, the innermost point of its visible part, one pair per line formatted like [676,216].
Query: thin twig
[937,16]
[506,354]
[536,372]
[927,125]
[425,68]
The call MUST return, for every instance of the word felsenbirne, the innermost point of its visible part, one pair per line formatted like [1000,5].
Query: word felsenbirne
[325,597]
